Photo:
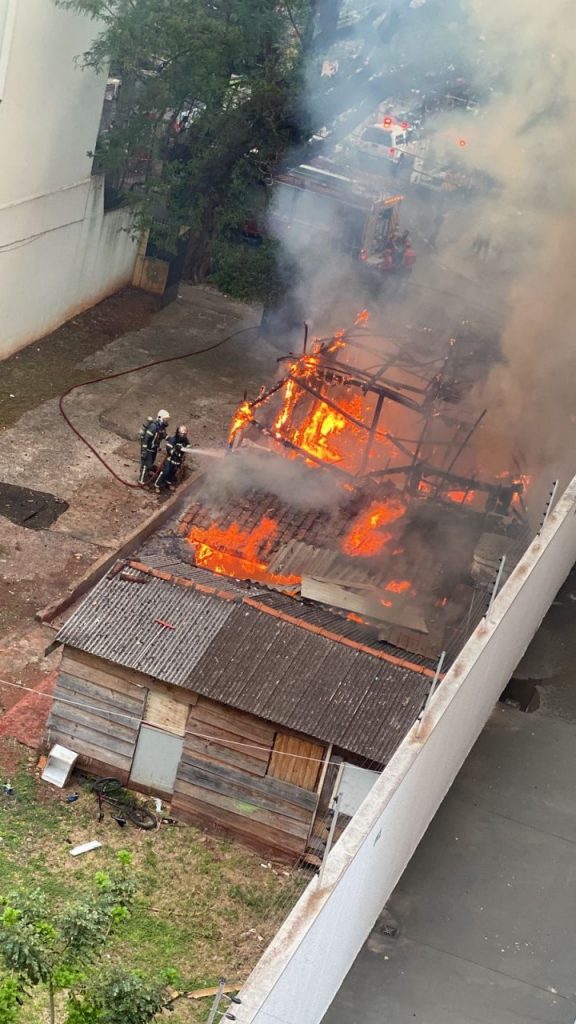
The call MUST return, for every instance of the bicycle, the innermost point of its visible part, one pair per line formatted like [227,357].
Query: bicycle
[111,791]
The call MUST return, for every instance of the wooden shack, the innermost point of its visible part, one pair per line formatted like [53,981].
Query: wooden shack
[235,712]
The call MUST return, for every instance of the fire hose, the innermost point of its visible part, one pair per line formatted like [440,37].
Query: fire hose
[123,373]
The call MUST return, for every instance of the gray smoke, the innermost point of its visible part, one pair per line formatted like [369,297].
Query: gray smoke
[519,60]
[290,480]
[529,146]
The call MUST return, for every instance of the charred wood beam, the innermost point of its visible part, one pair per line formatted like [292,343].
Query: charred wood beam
[468,481]
[372,434]
[376,389]
[371,378]
[464,442]
[301,451]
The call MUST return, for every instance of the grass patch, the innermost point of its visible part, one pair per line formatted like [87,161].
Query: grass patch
[205,906]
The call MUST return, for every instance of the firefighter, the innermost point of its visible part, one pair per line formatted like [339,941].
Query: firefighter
[176,448]
[152,433]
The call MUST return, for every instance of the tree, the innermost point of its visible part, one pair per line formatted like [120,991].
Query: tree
[217,93]
[60,951]
[212,94]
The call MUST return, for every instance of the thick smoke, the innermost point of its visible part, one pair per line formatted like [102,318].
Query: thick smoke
[529,147]
[290,480]
[517,58]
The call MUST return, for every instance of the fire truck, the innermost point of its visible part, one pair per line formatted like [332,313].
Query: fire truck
[316,209]
[327,208]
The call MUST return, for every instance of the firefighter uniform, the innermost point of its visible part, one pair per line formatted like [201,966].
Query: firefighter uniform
[175,454]
[152,433]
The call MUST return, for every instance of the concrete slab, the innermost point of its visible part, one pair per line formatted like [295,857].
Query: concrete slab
[485,910]
[39,451]
[524,769]
[413,983]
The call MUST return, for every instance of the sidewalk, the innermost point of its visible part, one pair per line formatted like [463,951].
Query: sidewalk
[38,450]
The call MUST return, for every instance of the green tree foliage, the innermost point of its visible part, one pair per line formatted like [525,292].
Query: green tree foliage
[217,93]
[210,103]
[60,951]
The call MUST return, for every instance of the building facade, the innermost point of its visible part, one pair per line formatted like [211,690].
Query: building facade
[60,252]
[243,716]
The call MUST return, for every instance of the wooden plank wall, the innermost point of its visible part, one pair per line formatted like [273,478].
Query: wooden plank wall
[296,760]
[97,711]
[222,780]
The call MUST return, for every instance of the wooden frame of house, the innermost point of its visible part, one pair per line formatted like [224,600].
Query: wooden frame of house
[237,714]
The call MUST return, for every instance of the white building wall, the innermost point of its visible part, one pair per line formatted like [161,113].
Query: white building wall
[59,251]
[303,968]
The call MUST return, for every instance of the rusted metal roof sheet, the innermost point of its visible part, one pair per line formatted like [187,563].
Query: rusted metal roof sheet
[298,558]
[251,660]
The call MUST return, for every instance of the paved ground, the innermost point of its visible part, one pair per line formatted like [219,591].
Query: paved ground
[37,449]
[485,910]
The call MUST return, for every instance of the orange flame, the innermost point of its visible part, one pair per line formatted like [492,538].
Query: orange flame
[366,537]
[324,423]
[398,586]
[362,318]
[231,551]
[290,398]
[461,497]
[312,424]
[355,618]
[242,417]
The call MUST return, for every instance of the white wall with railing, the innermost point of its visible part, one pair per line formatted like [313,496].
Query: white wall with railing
[303,968]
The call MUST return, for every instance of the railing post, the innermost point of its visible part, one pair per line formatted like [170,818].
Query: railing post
[496,586]
[431,692]
[548,508]
[333,823]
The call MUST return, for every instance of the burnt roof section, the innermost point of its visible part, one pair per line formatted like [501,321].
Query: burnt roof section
[318,527]
[171,554]
[251,657]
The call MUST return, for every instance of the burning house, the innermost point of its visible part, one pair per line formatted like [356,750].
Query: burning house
[284,631]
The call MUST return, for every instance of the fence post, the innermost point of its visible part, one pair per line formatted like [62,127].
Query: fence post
[548,508]
[496,586]
[217,999]
[431,692]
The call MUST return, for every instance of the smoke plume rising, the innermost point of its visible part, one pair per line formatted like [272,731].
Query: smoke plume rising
[517,58]
[290,480]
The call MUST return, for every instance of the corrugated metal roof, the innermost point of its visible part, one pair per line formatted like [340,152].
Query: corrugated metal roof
[311,684]
[123,620]
[243,656]
[335,622]
[172,554]
[298,558]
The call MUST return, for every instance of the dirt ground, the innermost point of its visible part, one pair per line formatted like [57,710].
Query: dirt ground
[39,451]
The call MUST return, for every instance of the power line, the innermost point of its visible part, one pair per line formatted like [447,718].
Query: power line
[139,721]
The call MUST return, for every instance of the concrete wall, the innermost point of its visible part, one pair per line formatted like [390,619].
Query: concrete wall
[59,252]
[304,966]
[50,109]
